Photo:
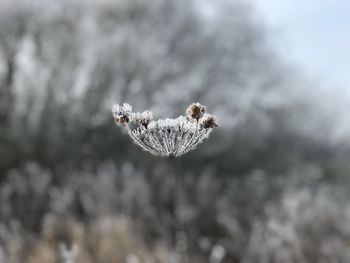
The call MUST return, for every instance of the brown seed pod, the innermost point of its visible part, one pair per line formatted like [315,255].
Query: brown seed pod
[195,111]
[209,121]
[121,120]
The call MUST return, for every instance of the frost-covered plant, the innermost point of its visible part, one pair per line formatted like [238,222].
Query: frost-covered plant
[166,137]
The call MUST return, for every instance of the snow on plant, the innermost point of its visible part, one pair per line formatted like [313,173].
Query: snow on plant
[166,137]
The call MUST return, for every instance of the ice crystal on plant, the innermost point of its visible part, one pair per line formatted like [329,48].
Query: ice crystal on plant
[143,118]
[166,137]
[195,111]
[121,114]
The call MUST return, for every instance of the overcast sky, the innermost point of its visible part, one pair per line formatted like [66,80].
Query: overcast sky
[314,34]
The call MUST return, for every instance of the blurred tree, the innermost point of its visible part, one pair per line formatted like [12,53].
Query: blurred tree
[67,62]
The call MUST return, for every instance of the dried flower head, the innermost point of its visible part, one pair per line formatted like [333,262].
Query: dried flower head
[166,137]
[121,114]
[209,121]
[195,111]
[143,118]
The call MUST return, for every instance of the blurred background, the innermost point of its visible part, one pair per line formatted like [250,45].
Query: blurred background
[271,184]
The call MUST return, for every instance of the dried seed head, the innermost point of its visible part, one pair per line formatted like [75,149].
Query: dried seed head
[166,137]
[121,114]
[143,118]
[209,121]
[121,120]
[195,111]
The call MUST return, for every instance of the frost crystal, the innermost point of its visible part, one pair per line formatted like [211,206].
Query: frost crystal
[166,137]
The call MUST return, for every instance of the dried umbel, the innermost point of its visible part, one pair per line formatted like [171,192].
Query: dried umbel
[166,137]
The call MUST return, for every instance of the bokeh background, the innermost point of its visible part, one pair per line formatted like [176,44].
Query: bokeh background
[271,184]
